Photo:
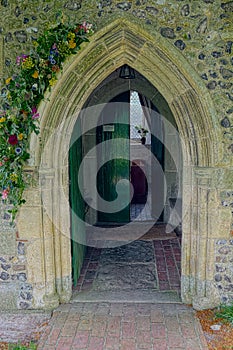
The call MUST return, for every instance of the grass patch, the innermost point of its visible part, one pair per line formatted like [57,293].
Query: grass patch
[226,313]
[31,346]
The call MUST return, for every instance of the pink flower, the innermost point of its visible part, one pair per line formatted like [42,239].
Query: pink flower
[19,58]
[35,114]
[86,27]
[13,140]
[1,163]
[5,194]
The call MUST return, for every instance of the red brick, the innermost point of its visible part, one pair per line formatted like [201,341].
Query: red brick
[52,339]
[143,337]
[130,319]
[128,329]
[68,330]
[158,330]
[188,331]
[93,266]
[192,344]
[116,309]
[96,343]
[85,323]
[129,311]
[160,344]
[128,344]
[172,324]
[64,343]
[81,339]
[114,325]
[143,323]
[175,341]
[144,309]
[112,343]
[162,276]
[164,286]
[98,329]
[157,316]
[145,346]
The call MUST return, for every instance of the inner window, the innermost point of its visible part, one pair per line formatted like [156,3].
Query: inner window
[137,117]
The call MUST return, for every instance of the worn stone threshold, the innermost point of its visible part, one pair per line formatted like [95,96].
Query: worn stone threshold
[136,296]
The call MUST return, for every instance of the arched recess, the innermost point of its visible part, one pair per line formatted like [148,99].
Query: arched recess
[167,70]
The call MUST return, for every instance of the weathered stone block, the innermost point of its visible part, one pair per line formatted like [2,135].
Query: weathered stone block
[8,242]
[29,222]
[8,296]
[19,267]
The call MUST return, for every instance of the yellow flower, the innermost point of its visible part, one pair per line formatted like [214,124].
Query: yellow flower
[20,137]
[8,80]
[13,177]
[2,120]
[71,35]
[52,81]
[35,43]
[35,74]
[27,63]
[72,44]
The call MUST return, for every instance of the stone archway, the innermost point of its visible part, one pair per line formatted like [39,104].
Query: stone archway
[49,256]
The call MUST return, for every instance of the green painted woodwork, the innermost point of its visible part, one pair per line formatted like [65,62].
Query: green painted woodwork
[78,208]
[116,169]
[157,149]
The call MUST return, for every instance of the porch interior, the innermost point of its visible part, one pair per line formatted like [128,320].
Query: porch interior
[148,268]
[132,258]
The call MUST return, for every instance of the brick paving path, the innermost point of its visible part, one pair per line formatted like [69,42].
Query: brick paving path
[115,326]
[22,326]
[127,326]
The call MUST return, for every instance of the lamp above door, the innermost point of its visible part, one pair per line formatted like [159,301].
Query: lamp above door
[126,72]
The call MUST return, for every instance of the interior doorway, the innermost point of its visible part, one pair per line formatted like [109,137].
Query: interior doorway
[134,122]
[143,146]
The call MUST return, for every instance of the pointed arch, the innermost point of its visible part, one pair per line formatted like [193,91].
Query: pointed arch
[172,75]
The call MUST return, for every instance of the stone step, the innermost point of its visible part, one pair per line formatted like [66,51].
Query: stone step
[136,296]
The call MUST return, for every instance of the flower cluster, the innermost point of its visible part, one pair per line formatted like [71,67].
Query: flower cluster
[142,131]
[21,96]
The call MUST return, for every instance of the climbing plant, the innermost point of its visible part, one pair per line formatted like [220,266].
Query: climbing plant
[22,93]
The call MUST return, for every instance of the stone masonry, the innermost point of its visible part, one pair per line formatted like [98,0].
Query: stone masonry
[187,48]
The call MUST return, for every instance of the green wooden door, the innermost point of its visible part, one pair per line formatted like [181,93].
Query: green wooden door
[157,181]
[115,169]
[78,209]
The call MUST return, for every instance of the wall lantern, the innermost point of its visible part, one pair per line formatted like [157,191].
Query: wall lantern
[127,72]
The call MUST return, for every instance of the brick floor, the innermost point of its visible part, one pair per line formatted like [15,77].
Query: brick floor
[167,257]
[135,327]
